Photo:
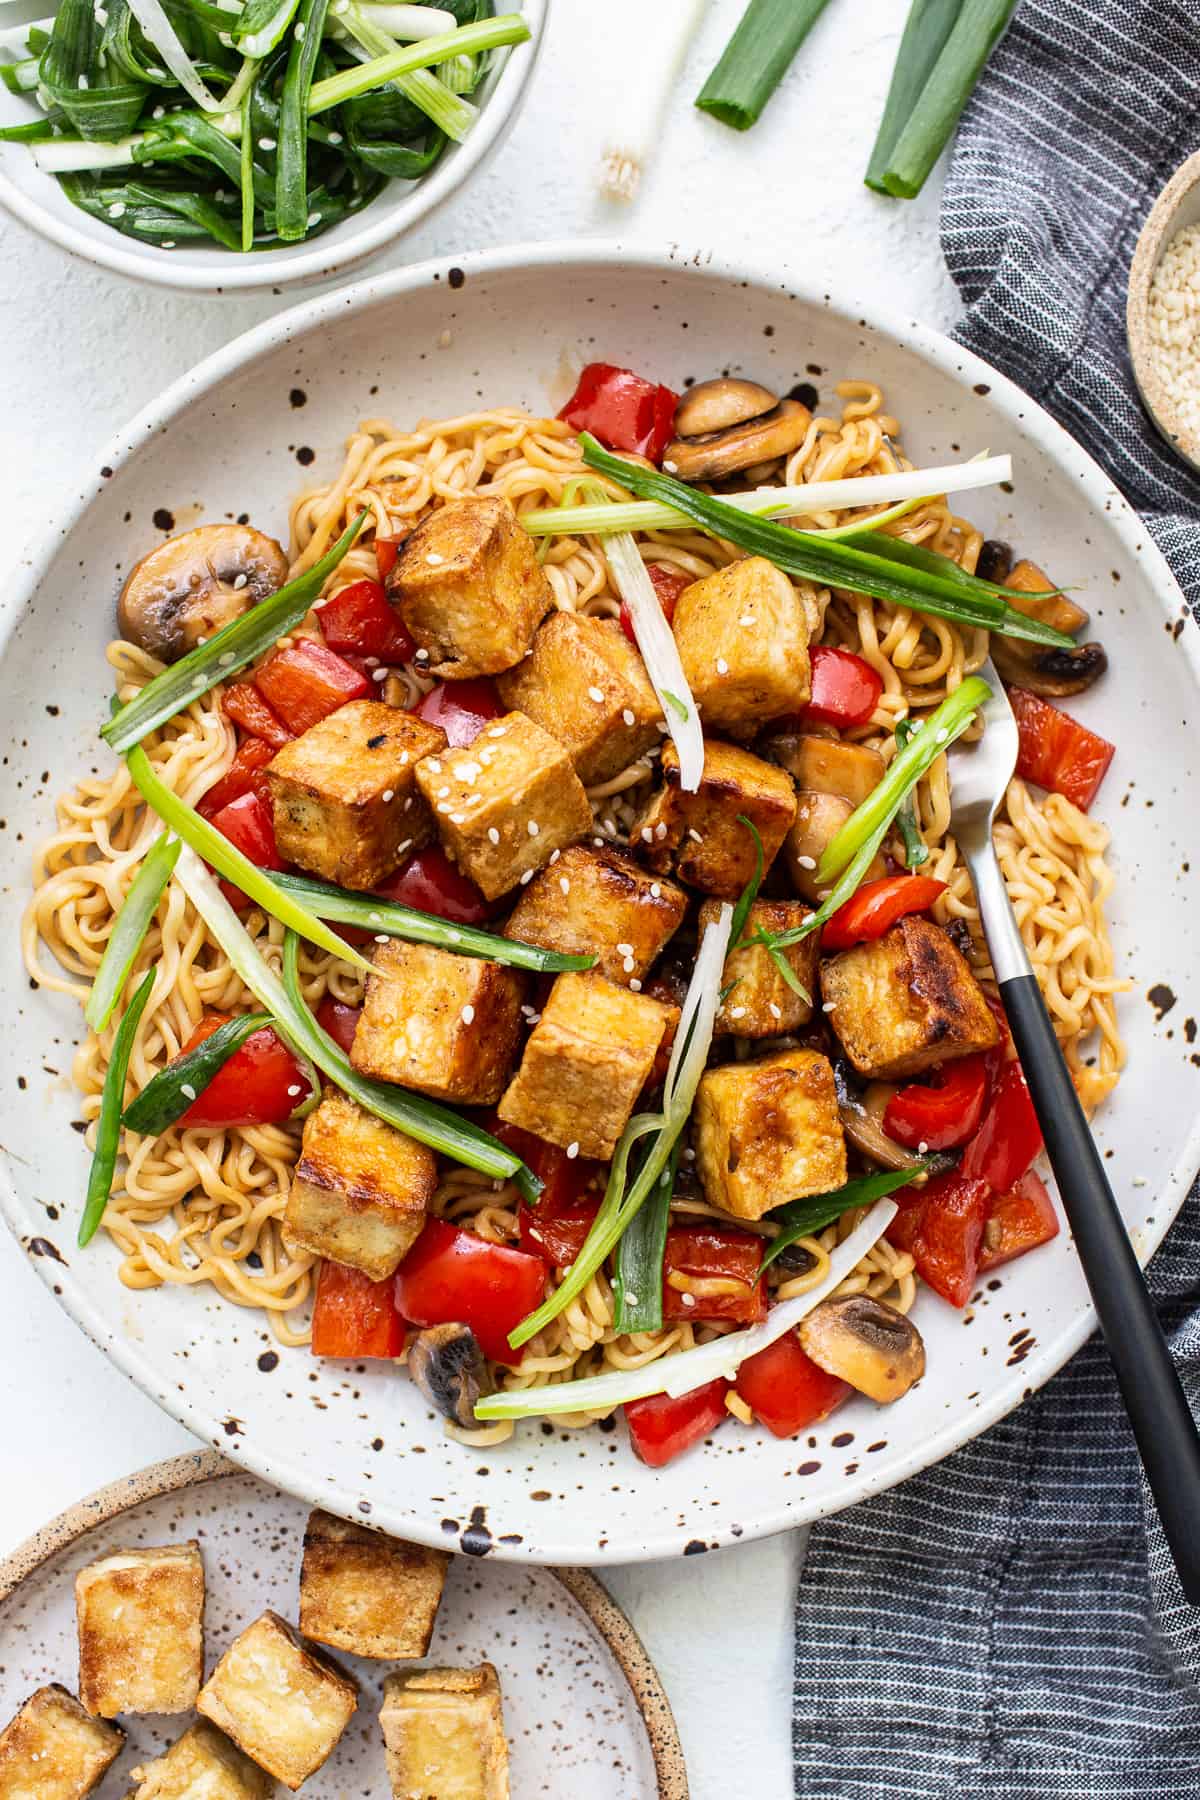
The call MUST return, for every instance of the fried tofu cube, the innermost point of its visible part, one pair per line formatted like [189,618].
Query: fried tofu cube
[599,903]
[140,1617]
[470,589]
[443,1024]
[698,835]
[906,1002]
[828,765]
[368,1594]
[202,1765]
[585,683]
[54,1750]
[743,642]
[280,1701]
[759,1002]
[360,1189]
[344,797]
[586,1062]
[443,1735]
[505,804]
[767,1132]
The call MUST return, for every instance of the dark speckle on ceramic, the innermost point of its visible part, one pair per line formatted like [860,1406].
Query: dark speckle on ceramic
[584,1711]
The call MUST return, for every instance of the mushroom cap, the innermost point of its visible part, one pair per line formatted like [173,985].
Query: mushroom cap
[717,404]
[193,584]
[448,1366]
[762,439]
[867,1343]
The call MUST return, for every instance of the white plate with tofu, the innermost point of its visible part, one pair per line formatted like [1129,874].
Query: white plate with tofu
[138,1630]
[359,1439]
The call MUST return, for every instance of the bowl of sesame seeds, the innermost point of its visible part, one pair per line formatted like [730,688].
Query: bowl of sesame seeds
[1163,312]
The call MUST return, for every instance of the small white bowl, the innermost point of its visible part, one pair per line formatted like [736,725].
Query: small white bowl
[37,200]
[1176,207]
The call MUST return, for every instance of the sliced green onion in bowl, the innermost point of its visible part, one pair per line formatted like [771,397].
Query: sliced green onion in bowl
[425,1120]
[691,1369]
[802,1218]
[390,919]
[129,930]
[108,1127]
[240,642]
[229,861]
[167,1096]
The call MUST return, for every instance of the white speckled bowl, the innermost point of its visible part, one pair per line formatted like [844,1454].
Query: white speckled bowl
[224,439]
[39,202]
[581,1697]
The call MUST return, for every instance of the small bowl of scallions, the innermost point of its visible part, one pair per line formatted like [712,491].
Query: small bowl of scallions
[225,145]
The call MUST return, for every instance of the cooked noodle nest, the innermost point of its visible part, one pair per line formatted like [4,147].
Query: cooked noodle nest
[202,1207]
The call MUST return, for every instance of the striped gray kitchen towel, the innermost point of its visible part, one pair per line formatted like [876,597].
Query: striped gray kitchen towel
[1008,1626]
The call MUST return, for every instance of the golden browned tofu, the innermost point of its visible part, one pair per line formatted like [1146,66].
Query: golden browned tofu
[599,903]
[443,1735]
[470,589]
[768,1132]
[368,1594]
[758,1001]
[445,1025]
[828,765]
[585,684]
[905,1002]
[202,1765]
[505,804]
[54,1750]
[281,1701]
[344,796]
[360,1189]
[140,1617]
[698,835]
[585,1064]
[743,642]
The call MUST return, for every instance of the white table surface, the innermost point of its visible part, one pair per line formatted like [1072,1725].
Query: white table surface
[80,351]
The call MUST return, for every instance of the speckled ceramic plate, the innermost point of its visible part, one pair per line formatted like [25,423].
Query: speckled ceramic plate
[583,1707]
[513,326]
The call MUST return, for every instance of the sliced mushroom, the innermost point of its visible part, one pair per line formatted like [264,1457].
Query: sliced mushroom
[195,583]
[448,1366]
[995,560]
[867,1343]
[1054,674]
[720,453]
[716,405]
[819,817]
[827,765]
[862,1126]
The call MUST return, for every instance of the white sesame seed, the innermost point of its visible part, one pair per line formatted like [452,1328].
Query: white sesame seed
[381,937]
[374,918]
[722,666]
[421,656]
[689,1155]
[737,1012]
[83,81]
[388,794]
[776,1012]
[407,804]
[747,619]
[624,949]
[532,827]
[442,792]
[828,1006]
[693,834]
[266,143]
[117,210]
[433,765]
[670,467]
[467,771]
[564,884]
[595,694]
[403,758]
[631,1299]
[467,1015]
[434,559]
[334,137]
[526,878]
[314,218]
[922,1147]
[610,825]
[295,1091]
[573,1150]
[599,843]
[493,835]
[647,835]
[240,580]
[458,818]
[497,731]
[807,862]
[629,965]
[628,716]
[299,32]
[554,857]
[185,1087]
[406,846]
[939,737]
[380,674]
[688,1299]
[660,832]
[655,890]
[159,112]
[635,986]
[454,937]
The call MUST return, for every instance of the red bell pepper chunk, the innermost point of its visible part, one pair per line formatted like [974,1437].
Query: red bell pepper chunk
[668,585]
[451,1275]
[845,688]
[556,1226]
[1009,1137]
[877,906]
[941,1114]
[387,549]
[661,1427]
[786,1390]
[247,708]
[430,882]
[624,410]
[557,1234]
[359,620]
[461,708]
[354,1316]
[699,1253]
[339,1021]
[248,825]
[1056,752]
[1018,1221]
[261,1084]
[243,776]
[305,682]
[943,1229]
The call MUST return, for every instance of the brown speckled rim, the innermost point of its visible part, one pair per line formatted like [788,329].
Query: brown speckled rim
[199,1466]
[1159,228]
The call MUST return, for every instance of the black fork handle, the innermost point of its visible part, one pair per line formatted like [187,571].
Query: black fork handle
[1163,1426]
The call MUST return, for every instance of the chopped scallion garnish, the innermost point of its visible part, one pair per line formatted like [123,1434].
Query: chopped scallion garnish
[129,930]
[915,851]
[108,1126]
[804,1218]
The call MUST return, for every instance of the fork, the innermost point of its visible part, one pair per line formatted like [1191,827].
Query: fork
[1163,1427]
